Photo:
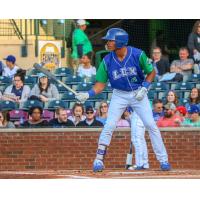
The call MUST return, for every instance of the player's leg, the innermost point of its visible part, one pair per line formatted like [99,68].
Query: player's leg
[138,139]
[117,106]
[143,109]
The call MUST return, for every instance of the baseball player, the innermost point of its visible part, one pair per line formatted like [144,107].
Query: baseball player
[139,142]
[125,67]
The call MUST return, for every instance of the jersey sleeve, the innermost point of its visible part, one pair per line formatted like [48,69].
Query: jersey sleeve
[146,66]
[102,75]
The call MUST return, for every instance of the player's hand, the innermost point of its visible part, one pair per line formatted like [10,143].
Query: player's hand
[141,93]
[82,97]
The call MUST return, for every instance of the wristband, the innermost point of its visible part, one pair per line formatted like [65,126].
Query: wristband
[146,84]
[91,93]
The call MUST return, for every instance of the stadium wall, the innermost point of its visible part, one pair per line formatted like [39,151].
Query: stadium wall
[62,149]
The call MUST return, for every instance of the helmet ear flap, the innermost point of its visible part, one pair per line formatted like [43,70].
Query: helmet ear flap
[121,40]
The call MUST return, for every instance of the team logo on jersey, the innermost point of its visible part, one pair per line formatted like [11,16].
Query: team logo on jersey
[123,72]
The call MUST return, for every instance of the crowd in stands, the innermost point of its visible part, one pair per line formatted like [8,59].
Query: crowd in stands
[172,106]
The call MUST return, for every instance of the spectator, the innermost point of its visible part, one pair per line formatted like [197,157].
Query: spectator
[17,92]
[78,113]
[11,69]
[184,65]
[90,120]
[85,69]
[61,121]
[194,98]
[194,41]
[193,119]
[5,120]
[35,121]
[123,122]
[161,65]
[169,119]
[172,97]
[44,90]
[161,42]
[103,112]
[157,109]
[81,45]
[181,111]
[2,66]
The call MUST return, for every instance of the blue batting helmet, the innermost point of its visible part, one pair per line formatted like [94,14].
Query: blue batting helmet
[118,35]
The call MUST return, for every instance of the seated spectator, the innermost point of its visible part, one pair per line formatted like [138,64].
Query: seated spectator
[2,66]
[161,65]
[157,109]
[169,119]
[172,98]
[123,122]
[17,92]
[35,121]
[44,90]
[11,69]
[90,120]
[61,120]
[103,112]
[5,120]
[85,69]
[193,119]
[194,98]
[77,113]
[194,41]
[181,111]
[184,65]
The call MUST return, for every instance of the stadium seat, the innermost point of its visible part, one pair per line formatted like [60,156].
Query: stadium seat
[30,80]
[68,96]
[194,78]
[98,97]
[91,79]
[5,80]
[30,103]
[32,72]
[183,101]
[3,87]
[158,86]
[89,103]
[47,115]
[84,87]
[55,104]
[151,94]
[8,105]
[16,115]
[183,86]
[63,71]
[61,89]
[72,79]
[108,87]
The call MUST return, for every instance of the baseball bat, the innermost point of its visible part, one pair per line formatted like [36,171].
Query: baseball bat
[53,77]
[129,157]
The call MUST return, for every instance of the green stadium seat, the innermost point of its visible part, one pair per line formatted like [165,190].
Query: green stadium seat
[5,80]
[56,104]
[84,87]
[8,105]
[28,80]
[63,71]
[30,103]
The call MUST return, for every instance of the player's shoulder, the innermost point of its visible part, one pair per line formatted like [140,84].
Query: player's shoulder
[136,50]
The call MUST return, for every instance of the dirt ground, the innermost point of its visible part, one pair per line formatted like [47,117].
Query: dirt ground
[111,174]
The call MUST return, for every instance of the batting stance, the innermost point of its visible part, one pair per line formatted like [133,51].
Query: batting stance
[125,67]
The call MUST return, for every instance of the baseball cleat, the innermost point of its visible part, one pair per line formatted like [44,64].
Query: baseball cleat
[98,165]
[165,166]
[135,167]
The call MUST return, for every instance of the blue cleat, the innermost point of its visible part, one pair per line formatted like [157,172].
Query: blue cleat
[98,165]
[165,166]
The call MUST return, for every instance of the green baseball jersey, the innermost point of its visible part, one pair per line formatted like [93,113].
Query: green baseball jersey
[79,37]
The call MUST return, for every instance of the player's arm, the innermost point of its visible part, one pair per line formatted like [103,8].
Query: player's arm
[148,69]
[101,80]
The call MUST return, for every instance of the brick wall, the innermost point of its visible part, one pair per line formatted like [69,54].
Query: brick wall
[76,150]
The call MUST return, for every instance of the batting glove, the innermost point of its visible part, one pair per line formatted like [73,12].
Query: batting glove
[141,93]
[82,97]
